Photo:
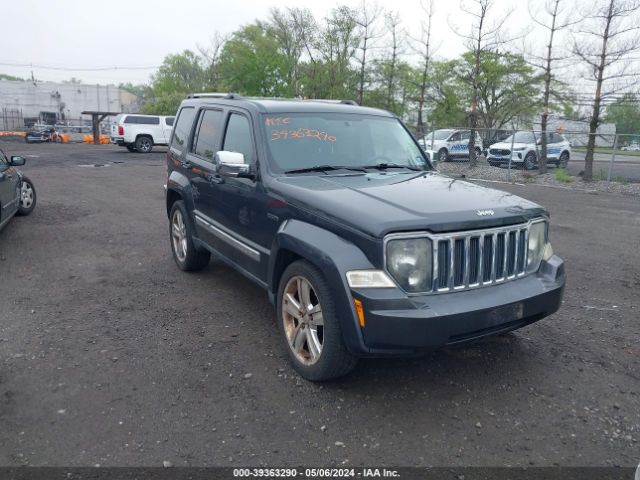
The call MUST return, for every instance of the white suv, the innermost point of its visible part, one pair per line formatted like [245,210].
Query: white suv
[526,150]
[445,144]
[139,133]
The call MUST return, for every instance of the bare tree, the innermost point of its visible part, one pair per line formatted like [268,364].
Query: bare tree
[393,22]
[425,51]
[286,26]
[608,38]
[366,21]
[484,36]
[211,55]
[546,63]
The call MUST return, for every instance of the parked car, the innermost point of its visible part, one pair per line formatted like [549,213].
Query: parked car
[17,193]
[526,150]
[363,248]
[634,147]
[139,133]
[446,144]
[42,134]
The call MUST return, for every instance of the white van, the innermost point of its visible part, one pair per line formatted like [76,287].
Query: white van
[139,133]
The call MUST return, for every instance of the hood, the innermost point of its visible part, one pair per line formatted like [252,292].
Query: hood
[380,203]
[507,146]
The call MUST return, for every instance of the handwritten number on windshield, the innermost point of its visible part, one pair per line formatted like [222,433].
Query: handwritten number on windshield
[302,133]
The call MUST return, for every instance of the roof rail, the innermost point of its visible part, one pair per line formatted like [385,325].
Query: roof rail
[227,96]
[326,100]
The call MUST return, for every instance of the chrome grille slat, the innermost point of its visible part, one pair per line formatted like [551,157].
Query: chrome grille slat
[465,260]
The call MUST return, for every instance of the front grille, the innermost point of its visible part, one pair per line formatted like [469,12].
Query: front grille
[499,152]
[465,260]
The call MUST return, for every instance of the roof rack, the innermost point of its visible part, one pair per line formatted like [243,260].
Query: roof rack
[323,100]
[227,96]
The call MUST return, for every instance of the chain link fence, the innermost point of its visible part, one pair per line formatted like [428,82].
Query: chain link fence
[616,157]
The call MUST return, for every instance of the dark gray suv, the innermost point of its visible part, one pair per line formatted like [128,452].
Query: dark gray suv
[17,193]
[363,249]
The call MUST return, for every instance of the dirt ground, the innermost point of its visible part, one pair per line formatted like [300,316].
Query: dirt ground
[110,355]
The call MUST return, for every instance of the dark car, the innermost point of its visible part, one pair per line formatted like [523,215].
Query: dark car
[363,249]
[40,135]
[17,193]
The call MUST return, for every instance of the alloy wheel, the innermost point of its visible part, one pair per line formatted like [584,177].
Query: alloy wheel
[302,319]
[179,235]
[26,195]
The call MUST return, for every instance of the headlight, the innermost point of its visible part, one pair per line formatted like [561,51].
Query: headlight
[537,246]
[409,263]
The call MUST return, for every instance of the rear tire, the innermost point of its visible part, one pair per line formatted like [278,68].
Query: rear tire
[144,144]
[28,197]
[563,160]
[311,333]
[181,234]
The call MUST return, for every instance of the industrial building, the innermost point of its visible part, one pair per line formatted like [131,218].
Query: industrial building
[24,103]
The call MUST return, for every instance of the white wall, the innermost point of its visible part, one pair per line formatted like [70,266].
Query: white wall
[48,96]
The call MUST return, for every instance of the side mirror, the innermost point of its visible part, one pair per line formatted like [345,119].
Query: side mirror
[17,161]
[231,164]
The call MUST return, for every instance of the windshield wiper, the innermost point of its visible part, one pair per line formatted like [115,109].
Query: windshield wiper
[384,166]
[322,168]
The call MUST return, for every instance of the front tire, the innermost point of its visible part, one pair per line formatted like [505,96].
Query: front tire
[181,234]
[309,325]
[28,197]
[530,161]
[443,155]
[144,144]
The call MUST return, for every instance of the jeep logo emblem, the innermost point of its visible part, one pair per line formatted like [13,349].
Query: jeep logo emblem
[485,213]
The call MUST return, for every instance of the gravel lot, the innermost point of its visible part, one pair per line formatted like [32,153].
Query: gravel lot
[110,355]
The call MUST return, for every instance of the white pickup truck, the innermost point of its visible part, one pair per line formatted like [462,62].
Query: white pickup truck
[139,133]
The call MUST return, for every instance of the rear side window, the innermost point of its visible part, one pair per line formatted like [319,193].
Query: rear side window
[170,121]
[142,120]
[182,128]
[207,136]
[238,137]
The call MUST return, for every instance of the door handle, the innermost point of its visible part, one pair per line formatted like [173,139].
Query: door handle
[213,178]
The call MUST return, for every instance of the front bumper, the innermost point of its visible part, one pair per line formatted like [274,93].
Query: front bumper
[396,324]
[504,160]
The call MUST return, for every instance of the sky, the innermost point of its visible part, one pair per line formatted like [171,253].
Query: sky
[76,35]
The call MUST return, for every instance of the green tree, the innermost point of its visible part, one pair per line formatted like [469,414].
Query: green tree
[4,76]
[178,76]
[506,87]
[251,63]
[444,102]
[625,113]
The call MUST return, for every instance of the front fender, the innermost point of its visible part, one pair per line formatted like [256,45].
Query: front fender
[331,254]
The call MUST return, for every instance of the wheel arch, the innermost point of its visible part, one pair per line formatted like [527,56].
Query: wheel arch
[178,188]
[333,256]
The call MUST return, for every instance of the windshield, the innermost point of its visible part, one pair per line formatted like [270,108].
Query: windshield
[302,141]
[439,134]
[521,137]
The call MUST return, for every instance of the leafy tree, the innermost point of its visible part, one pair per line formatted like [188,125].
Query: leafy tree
[443,100]
[506,87]
[178,76]
[625,113]
[251,63]
[4,76]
